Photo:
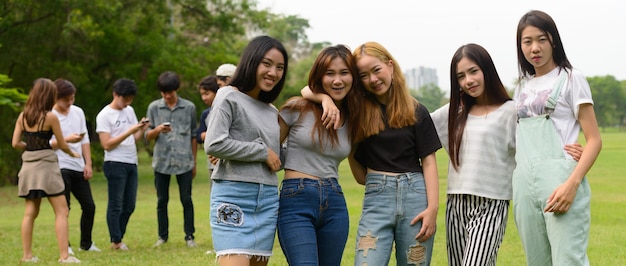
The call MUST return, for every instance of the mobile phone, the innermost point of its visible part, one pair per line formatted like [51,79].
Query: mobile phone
[145,120]
[83,134]
[167,124]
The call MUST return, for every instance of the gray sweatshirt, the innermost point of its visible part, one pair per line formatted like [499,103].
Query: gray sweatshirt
[239,131]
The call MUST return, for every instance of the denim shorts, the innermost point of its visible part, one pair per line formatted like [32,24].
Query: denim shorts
[243,218]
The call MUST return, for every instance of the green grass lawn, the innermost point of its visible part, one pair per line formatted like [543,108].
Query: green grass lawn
[607,245]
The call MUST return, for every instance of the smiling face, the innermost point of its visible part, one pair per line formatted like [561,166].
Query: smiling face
[376,75]
[337,81]
[471,79]
[537,48]
[269,71]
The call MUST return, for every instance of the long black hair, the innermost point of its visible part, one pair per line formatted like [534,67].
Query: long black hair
[245,75]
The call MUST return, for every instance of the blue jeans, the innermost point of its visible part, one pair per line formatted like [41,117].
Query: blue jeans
[162,185]
[122,191]
[389,205]
[313,221]
[76,184]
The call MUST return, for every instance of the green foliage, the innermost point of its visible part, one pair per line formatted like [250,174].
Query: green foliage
[94,43]
[609,100]
[10,97]
[11,100]
[430,96]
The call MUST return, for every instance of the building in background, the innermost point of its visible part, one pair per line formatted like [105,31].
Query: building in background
[416,78]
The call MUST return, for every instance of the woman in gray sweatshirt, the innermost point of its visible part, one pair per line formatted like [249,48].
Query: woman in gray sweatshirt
[243,132]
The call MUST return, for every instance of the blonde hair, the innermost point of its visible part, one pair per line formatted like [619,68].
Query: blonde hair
[401,106]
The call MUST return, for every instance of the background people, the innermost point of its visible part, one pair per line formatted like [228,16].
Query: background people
[224,73]
[76,172]
[118,129]
[173,128]
[243,132]
[208,88]
[551,195]
[40,175]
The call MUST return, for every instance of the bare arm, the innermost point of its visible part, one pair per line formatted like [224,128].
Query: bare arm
[328,107]
[88,170]
[429,216]
[358,171]
[152,134]
[109,143]
[16,141]
[73,138]
[58,134]
[284,129]
[561,199]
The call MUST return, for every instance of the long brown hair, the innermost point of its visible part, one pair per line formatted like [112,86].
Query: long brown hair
[401,106]
[41,99]
[316,75]
[461,103]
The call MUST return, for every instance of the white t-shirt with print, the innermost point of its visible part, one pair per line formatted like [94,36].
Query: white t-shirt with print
[531,100]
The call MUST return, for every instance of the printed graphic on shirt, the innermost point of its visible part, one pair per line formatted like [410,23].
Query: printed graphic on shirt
[532,103]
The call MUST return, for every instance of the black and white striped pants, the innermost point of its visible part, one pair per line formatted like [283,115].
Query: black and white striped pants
[474,229]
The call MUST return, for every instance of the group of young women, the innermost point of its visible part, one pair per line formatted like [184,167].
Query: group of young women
[357,106]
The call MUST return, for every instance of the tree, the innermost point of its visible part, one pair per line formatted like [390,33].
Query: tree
[93,43]
[430,96]
[11,100]
[608,98]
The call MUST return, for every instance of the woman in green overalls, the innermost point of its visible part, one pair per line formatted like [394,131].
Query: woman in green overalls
[551,196]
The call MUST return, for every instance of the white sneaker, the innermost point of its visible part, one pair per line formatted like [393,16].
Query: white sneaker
[70,259]
[32,259]
[70,251]
[91,248]
[120,246]
[191,243]
[159,242]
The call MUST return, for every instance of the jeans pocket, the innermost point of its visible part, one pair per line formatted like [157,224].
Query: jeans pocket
[373,187]
[418,185]
[290,190]
[337,189]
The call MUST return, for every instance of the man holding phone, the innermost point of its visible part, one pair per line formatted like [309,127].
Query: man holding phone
[76,172]
[173,128]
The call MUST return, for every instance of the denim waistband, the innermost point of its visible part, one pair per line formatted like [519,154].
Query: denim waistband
[332,182]
[401,176]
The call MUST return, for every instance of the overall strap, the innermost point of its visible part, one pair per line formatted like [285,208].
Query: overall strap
[556,91]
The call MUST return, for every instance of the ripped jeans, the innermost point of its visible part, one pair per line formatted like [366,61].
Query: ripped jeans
[389,205]
[243,218]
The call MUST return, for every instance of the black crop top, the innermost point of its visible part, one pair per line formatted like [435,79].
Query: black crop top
[399,150]
[38,140]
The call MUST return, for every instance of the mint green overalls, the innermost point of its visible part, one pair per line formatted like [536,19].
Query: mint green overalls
[548,238]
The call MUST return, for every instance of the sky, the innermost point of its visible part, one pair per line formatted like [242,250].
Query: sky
[427,33]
